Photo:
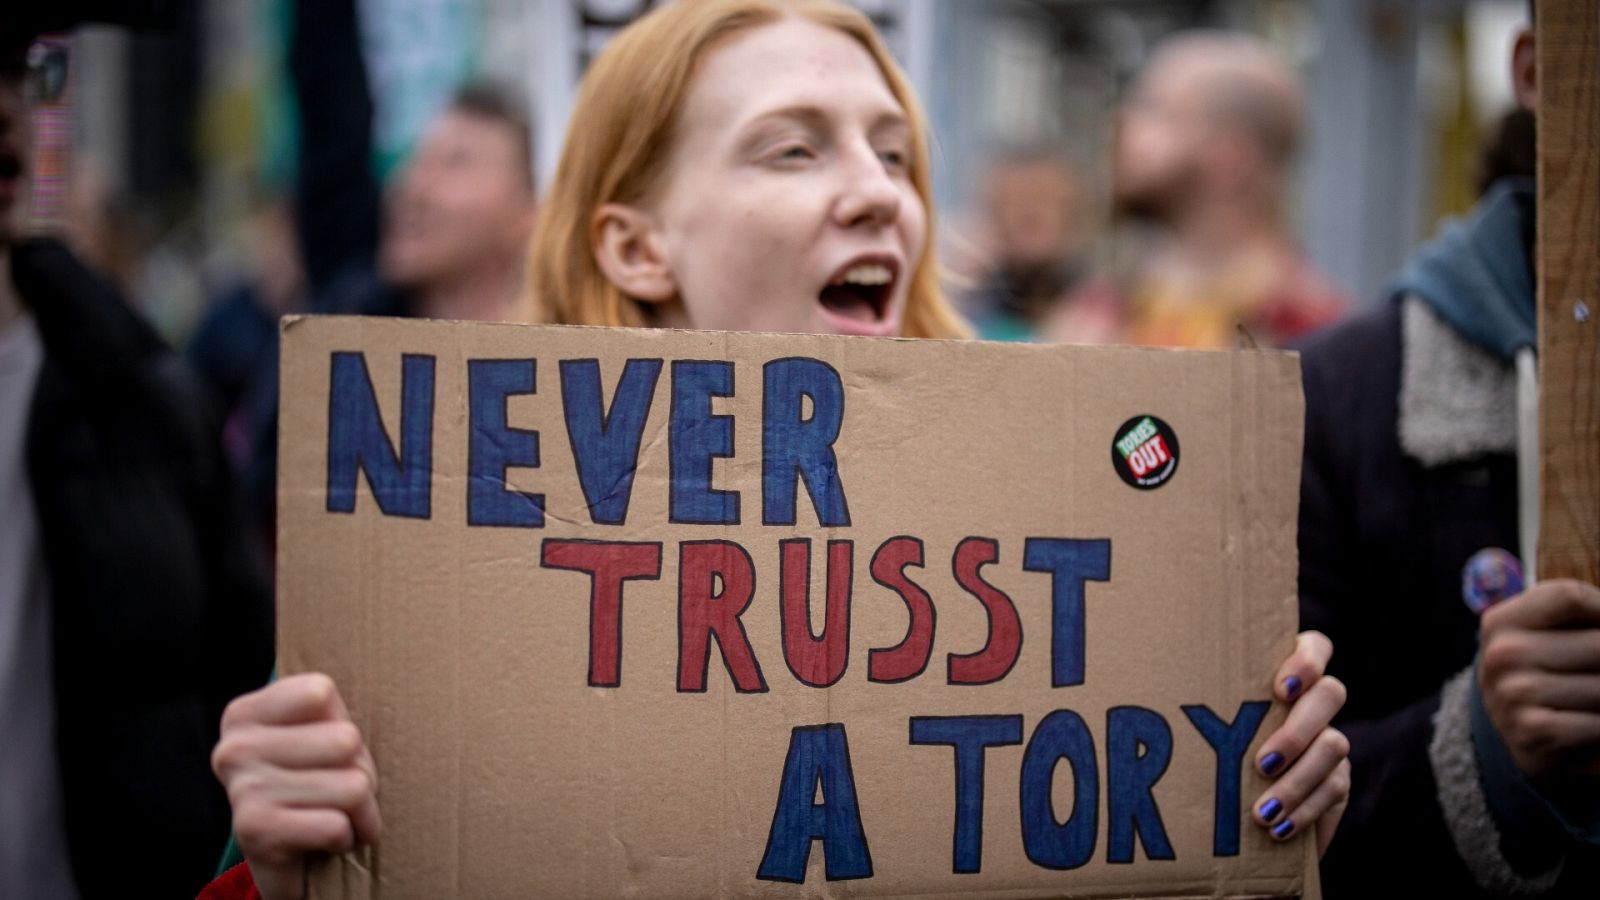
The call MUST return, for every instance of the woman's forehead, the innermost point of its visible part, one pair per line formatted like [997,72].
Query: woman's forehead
[793,63]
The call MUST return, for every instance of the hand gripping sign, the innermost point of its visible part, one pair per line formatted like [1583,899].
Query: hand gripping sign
[662,613]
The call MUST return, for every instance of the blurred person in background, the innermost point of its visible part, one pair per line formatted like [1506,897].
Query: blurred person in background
[1509,150]
[454,234]
[452,245]
[1032,238]
[1205,149]
[1474,728]
[101,227]
[232,343]
[132,608]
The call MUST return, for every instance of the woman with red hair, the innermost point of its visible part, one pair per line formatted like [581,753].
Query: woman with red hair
[748,165]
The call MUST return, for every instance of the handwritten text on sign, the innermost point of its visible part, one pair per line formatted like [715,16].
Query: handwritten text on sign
[803,408]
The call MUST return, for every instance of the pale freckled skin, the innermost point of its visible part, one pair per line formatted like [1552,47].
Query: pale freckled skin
[751,236]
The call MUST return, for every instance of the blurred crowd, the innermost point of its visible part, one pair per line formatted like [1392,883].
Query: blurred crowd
[1162,202]
[1088,171]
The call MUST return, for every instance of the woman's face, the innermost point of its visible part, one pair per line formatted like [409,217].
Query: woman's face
[788,203]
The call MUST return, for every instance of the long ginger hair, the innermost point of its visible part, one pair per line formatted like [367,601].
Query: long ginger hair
[620,139]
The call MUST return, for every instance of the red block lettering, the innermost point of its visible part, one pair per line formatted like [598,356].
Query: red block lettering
[999,654]
[816,661]
[705,612]
[608,564]
[909,658]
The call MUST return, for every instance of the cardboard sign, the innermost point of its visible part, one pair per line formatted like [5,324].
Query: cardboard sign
[678,614]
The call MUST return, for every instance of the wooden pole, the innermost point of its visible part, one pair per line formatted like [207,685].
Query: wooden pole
[1568,277]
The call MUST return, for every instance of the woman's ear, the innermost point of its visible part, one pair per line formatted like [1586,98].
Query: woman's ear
[629,250]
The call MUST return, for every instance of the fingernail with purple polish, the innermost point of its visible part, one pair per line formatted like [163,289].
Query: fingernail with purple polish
[1291,687]
[1283,829]
[1270,809]
[1272,762]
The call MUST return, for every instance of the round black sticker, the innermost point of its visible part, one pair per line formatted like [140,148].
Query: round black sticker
[1144,451]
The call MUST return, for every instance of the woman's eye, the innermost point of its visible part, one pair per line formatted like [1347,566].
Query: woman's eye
[794,152]
[893,159]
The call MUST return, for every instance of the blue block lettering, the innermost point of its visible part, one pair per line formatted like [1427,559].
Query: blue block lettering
[1138,750]
[794,448]
[817,753]
[605,446]
[696,437]
[1071,563]
[400,482]
[492,446]
[1048,841]
[970,736]
[1229,741]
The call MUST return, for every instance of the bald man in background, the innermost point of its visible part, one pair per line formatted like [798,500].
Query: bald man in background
[1205,150]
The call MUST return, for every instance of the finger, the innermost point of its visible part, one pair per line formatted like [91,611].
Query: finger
[366,820]
[1308,717]
[1554,733]
[1332,793]
[1335,789]
[279,835]
[1553,651]
[1328,822]
[344,788]
[1315,771]
[1560,603]
[1554,690]
[316,745]
[309,697]
[1305,665]
[365,762]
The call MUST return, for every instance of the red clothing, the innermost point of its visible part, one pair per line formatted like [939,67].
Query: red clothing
[1304,302]
[234,884]
[1277,296]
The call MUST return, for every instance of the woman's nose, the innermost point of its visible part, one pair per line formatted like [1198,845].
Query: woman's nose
[868,195]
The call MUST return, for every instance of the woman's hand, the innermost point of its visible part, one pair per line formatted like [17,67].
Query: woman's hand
[1308,760]
[299,778]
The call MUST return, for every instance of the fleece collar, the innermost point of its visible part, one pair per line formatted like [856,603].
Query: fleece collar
[1458,401]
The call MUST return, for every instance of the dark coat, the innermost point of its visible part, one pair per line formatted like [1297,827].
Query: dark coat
[161,604]
[1383,540]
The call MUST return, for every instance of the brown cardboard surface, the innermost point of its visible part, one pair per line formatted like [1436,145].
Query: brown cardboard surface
[504,773]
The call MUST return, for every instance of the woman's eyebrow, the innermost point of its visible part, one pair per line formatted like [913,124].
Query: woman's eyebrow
[803,113]
[816,116]
[891,123]
[752,135]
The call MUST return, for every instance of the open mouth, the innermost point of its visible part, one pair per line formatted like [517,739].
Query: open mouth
[860,292]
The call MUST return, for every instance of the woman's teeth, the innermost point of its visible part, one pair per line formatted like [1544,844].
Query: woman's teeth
[870,274]
[860,293]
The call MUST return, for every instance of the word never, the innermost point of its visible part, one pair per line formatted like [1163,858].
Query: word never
[801,413]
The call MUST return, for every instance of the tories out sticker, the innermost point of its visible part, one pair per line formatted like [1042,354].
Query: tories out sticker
[1145,452]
